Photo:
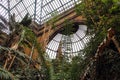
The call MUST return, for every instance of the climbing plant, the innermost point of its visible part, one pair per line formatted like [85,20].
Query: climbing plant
[53,20]
[100,13]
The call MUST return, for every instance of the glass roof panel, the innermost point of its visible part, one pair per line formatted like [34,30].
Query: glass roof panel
[4,3]
[4,8]
[15,11]
[69,46]
[40,10]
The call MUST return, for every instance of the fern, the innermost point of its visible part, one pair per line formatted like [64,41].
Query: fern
[29,37]
[5,75]
[15,52]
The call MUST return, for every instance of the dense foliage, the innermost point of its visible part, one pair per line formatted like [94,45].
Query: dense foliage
[14,63]
[68,28]
[108,65]
[100,13]
[100,16]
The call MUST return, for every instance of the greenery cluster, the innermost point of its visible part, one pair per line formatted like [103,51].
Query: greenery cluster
[68,27]
[100,13]
[108,65]
[23,66]
[100,16]
[54,19]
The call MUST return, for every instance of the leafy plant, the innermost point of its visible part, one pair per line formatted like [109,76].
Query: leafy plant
[100,16]
[100,13]
[6,75]
[19,34]
[68,28]
[26,21]
[54,19]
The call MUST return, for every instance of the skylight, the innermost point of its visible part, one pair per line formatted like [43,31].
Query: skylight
[78,41]
[39,10]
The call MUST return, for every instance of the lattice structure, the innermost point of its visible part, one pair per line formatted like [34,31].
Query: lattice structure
[67,46]
[39,10]
[72,44]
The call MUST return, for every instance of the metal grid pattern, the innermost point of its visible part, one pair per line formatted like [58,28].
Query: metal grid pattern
[78,39]
[39,10]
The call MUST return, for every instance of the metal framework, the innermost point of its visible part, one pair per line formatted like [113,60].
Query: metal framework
[43,10]
[71,46]
[39,10]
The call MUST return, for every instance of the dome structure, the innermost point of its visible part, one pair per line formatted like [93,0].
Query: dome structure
[69,46]
[59,39]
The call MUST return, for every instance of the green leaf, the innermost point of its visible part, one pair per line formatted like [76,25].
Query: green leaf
[5,75]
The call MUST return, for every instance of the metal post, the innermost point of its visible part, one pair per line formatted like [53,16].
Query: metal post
[9,10]
[41,12]
[62,5]
[35,10]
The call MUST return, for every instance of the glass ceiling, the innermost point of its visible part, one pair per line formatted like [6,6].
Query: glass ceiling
[39,10]
[77,41]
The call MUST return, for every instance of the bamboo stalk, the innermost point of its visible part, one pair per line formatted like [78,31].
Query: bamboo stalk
[93,21]
[11,62]
[15,47]
[6,61]
[31,54]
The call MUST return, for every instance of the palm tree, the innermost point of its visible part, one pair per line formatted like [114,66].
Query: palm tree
[6,75]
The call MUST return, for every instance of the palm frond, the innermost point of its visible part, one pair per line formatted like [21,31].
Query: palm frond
[18,53]
[3,35]
[5,75]
[26,20]
[15,51]
[29,37]
[3,19]
[13,23]
[12,17]
[2,26]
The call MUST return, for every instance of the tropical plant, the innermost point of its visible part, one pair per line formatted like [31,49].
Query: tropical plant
[60,69]
[13,50]
[100,13]
[6,75]
[100,16]
[110,66]
[54,19]
[26,21]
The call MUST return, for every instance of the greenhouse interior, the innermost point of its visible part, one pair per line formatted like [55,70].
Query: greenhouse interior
[59,39]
